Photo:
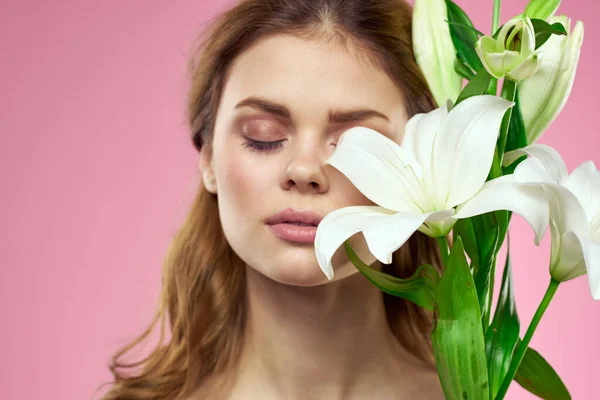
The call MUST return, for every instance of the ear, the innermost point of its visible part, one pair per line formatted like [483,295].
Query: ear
[205,165]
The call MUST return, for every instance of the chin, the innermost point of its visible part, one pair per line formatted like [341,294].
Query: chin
[298,273]
[296,264]
[305,274]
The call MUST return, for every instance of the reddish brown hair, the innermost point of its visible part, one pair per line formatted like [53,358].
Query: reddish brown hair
[203,284]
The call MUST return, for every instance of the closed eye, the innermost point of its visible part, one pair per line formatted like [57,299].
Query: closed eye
[256,145]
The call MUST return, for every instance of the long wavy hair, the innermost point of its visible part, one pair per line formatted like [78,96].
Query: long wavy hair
[202,299]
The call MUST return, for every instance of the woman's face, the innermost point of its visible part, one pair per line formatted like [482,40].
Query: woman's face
[296,97]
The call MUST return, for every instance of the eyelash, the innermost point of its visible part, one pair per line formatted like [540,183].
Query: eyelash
[256,145]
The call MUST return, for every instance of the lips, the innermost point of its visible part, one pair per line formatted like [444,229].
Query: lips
[296,217]
[295,225]
[298,223]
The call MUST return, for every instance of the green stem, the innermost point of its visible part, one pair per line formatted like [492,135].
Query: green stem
[522,347]
[444,249]
[495,23]
[496,17]
[496,170]
[488,308]
[509,91]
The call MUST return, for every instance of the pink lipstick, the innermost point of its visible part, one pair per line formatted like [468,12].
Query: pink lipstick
[295,225]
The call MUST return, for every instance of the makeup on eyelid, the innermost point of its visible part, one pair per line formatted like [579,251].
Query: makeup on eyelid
[256,145]
[263,134]
[261,129]
[258,135]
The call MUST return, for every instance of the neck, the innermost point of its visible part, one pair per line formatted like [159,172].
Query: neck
[331,340]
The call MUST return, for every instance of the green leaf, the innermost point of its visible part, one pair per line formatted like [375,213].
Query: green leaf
[457,336]
[517,135]
[496,169]
[420,288]
[502,220]
[464,228]
[509,92]
[480,236]
[544,30]
[541,9]
[468,27]
[464,36]
[463,70]
[503,334]
[478,85]
[538,377]
[486,231]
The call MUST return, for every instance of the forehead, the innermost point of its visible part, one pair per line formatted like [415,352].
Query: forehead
[311,76]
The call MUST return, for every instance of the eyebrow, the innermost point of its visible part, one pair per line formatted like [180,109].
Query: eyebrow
[335,116]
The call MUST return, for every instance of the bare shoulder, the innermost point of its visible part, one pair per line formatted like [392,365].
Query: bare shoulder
[211,388]
[424,382]
[428,386]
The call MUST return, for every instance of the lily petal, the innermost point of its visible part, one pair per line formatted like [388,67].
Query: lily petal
[591,252]
[433,49]
[464,149]
[510,60]
[384,230]
[504,193]
[542,9]
[527,37]
[571,263]
[419,138]
[526,69]
[420,133]
[386,233]
[566,211]
[487,44]
[543,96]
[584,183]
[485,48]
[548,156]
[438,224]
[383,171]
[566,215]
[532,172]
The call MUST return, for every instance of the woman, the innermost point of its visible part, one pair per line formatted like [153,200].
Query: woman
[250,314]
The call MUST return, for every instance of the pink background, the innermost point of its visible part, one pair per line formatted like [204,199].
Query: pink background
[97,169]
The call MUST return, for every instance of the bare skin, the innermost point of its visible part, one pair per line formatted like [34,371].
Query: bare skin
[307,337]
[324,342]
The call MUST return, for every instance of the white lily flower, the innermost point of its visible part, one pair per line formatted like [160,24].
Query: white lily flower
[443,162]
[434,50]
[543,96]
[513,53]
[574,211]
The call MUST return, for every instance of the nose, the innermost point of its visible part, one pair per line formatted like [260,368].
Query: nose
[306,171]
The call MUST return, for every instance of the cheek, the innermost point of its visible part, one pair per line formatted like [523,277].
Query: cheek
[236,179]
[244,181]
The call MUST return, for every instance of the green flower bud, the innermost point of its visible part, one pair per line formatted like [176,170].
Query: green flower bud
[434,50]
[543,96]
[512,54]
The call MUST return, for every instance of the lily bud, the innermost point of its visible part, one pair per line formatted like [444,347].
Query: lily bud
[512,54]
[541,9]
[543,96]
[434,50]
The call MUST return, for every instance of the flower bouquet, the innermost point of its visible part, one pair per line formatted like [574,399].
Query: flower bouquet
[462,170]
